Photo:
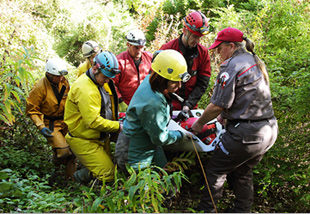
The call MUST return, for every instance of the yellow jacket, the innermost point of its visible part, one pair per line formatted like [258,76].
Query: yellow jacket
[83,108]
[83,68]
[42,101]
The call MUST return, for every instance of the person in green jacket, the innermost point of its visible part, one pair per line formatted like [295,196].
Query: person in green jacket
[91,115]
[148,114]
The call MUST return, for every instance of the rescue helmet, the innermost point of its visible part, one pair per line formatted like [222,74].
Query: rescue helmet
[171,65]
[197,23]
[107,63]
[89,48]
[56,66]
[206,135]
[136,37]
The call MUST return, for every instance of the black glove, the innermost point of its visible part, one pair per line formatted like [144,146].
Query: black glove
[46,132]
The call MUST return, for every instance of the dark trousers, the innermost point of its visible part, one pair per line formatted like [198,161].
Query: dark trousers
[242,147]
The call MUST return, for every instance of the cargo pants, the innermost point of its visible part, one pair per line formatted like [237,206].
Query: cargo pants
[242,147]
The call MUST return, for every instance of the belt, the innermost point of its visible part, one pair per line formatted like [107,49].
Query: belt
[103,138]
[236,121]
[52,119]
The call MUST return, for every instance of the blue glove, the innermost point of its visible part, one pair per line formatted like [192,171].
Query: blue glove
[46,132]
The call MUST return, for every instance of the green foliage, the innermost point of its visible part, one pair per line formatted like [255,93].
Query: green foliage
[23,149]
[285,28]
[143,191]
[28,195]
[105,23]
[34,30]
[285,171]
[14,76]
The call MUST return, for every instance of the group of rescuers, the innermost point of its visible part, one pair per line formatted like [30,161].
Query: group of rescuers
[81,121]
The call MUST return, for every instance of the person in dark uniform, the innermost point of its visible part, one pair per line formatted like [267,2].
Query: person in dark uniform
[242,99]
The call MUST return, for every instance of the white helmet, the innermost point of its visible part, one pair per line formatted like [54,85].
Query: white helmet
[136,37]
[89,48]
[56,66]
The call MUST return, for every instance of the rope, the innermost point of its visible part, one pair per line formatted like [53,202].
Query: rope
[204,174]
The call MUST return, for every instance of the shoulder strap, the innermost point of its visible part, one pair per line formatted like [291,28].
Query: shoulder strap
[60,94]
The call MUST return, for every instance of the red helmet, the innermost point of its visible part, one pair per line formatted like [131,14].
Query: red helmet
[208,132]
[197,23]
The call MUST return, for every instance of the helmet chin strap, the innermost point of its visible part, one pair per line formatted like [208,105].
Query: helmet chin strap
[186,39]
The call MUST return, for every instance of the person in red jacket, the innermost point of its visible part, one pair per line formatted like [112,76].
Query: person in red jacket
[197,58]
[135,64]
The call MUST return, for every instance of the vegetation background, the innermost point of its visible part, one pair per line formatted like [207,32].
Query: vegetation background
[33,31]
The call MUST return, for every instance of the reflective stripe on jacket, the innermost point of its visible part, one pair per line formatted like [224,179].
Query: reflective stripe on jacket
[129,79]
[241,89]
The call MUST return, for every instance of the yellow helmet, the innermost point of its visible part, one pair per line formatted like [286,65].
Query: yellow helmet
[171,65]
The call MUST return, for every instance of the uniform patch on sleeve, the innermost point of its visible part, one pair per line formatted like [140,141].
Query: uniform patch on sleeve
[223,78]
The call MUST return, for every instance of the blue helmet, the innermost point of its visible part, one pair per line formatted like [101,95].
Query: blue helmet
[107,64]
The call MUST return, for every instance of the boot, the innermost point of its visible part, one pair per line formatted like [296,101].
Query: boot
[83,176]
[71,167]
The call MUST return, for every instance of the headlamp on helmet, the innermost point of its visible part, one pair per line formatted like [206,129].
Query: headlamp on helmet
[90,48]
[56,66]
[196,22]
[171,65]
[139,42]
[107,63]
[63,72]
[185,76]
[136,37]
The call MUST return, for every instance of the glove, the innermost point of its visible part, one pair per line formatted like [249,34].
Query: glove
[122,107]
[46,132]
[185,109]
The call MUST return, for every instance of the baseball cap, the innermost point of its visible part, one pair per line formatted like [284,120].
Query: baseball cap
[227,35]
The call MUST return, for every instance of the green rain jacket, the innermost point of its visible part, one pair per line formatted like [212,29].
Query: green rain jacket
[147,117]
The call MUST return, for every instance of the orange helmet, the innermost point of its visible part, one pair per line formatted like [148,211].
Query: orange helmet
[197,23]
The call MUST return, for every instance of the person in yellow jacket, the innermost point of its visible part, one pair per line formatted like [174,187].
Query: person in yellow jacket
[45,106]
[89,49]
[91,115]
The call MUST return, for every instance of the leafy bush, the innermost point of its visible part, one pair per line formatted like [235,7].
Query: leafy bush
[31,194]
[24,150]
[30,31]
[14,77]
[106,23]
[143,191]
